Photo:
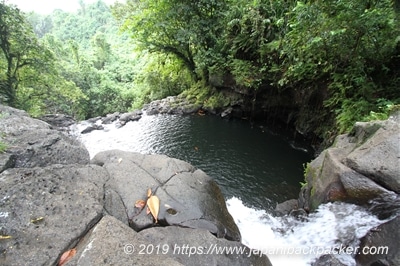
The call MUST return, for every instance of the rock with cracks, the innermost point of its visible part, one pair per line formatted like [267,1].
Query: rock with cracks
[358,168]
[31,142]
[44,211]
[52,201]
[188,197]
[111,242]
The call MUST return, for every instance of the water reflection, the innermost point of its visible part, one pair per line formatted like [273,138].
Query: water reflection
[247,162]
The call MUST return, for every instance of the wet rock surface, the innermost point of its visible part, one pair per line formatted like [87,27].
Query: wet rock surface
[362,167]
[53,200]
[327,260]
[383,242]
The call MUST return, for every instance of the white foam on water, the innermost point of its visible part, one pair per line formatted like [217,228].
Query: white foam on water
[289,241]
[285,240]
[127,138]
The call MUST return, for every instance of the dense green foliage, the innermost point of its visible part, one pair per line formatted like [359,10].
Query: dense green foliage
[92,55]
[335,62]
[339,58]
[79,64]
[29,77]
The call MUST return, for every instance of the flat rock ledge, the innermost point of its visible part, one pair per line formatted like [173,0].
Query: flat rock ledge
[53,200]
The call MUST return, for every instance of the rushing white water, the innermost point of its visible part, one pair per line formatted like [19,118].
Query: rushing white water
[288,241]
[285,240]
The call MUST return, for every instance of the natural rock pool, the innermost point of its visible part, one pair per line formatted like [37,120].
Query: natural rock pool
[255,169]
[247,161]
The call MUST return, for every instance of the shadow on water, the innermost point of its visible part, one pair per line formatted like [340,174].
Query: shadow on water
[247,161]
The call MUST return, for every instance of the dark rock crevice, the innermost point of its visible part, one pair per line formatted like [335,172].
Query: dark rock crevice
[195,199]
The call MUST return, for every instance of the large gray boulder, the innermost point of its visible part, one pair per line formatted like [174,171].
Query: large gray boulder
[45,211]
[188,197]
[359,167]
[111,242]
[362,167]
[379,156]
[381,246]
[52,201]
[33,143]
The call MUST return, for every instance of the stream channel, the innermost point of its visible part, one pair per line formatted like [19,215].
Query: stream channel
[255,170]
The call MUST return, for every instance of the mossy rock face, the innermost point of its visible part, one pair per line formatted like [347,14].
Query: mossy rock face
[3,147]
[358,168]
[362,131]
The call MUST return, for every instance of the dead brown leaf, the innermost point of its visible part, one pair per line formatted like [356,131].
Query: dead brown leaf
[153,203]
[140,204]
[66,256]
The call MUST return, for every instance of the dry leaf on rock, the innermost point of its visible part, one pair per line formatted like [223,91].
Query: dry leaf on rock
[66,256]
[140,204]
[149,192]
[153,203]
